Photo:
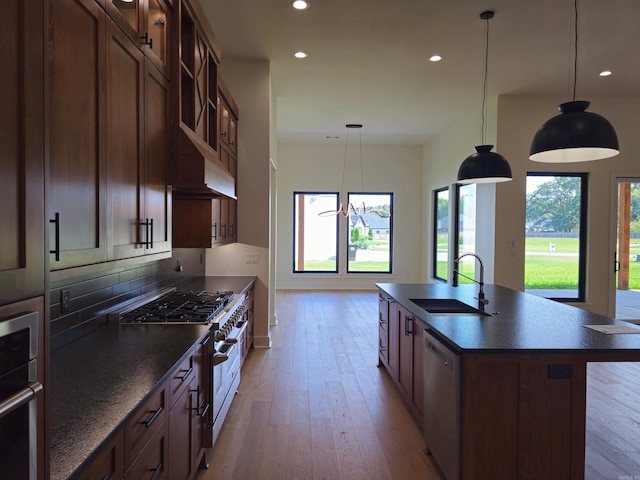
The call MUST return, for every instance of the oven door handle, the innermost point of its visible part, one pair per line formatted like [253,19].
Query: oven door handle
[218,358]
[20,398]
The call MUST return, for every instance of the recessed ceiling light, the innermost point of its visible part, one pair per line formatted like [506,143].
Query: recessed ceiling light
[605,73]
[435,58]
[300,55]
[300,5]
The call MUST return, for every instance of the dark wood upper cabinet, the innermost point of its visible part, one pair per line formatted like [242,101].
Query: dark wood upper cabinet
[147,24]
[22,222]
[139,200]
[76,133]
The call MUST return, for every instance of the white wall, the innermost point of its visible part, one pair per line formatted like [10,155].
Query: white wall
[318,167]
[249,83]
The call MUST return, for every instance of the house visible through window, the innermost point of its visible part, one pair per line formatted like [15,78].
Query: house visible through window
[555,235]
[370,238]
[315,242]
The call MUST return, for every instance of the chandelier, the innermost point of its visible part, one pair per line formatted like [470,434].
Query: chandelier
[350,209]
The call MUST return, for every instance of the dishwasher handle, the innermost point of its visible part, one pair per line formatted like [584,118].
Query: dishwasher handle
[438,353]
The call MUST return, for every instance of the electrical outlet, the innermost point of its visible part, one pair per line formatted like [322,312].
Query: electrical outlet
[65,300]
[252,258]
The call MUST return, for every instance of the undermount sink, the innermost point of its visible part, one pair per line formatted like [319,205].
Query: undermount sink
[447,306]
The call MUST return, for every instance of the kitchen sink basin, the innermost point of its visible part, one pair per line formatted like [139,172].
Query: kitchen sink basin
[447,306]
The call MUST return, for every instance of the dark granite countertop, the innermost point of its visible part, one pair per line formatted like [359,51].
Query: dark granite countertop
[99,379]
[518,322]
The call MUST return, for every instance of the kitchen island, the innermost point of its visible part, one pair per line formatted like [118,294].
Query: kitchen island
[521,375]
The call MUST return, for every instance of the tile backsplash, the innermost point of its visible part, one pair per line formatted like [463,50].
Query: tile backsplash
[91,294]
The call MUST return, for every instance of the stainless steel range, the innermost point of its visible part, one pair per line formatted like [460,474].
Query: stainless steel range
[228,318]
[180,307]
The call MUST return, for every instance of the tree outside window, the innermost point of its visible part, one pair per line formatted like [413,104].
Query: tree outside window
[555,235]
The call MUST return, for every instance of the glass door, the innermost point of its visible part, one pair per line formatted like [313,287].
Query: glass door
[627,254]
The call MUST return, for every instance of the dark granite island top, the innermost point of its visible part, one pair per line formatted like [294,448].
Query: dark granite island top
[515,380]
[99,379]
[517,321]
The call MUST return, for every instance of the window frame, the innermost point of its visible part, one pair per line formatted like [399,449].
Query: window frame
[294,250]
[348,235]
[435,232]
[456,238]
[582,237]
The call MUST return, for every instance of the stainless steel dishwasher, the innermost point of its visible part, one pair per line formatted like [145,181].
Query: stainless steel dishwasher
[442,405]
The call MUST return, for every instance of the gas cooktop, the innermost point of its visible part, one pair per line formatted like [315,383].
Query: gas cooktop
[180,307]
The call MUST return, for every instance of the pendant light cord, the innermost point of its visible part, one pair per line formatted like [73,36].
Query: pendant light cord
[484,80]
[575,52]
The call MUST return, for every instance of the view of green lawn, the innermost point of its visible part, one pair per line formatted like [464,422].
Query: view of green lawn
[553,270]
[544,269]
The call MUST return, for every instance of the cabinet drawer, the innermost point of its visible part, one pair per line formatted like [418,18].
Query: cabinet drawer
[180,378]
[108,464]
[143,424]
[152,462]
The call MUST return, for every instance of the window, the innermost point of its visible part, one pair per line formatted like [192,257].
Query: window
[315,237]
[441,234]
[370,238]
[555,235]
[466,231]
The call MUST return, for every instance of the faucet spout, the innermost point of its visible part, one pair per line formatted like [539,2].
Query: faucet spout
[482,301]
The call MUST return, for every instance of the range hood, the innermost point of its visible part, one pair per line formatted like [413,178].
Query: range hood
[199,170]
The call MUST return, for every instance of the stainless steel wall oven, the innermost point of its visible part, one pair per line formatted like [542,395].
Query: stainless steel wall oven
[19,394]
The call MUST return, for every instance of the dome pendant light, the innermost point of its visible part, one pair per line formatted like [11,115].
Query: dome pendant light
[484,166]
[575,135]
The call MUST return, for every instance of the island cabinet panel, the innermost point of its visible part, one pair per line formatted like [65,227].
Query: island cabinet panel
[383,330]
[520,415]
[410,379]
[139,200]
[76,138]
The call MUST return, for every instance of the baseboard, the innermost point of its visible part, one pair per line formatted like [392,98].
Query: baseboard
[261,342]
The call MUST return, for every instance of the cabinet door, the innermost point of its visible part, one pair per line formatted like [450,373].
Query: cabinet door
[225,231]
[152,462]
[125,83]
[138,201]
[155,33]
[216,221]
[405,360]
[233,220]
[383,330]
[394,338]
[108,464]
[157,194]
[76,133]
[22,243]
[146,23]
[410,369]
[181,435]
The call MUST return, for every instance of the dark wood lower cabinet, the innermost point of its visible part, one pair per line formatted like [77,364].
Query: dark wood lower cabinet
[153,460]
[108,464]
[401,353]
[181,434]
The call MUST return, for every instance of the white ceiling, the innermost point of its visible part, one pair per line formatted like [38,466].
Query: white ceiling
[368,59]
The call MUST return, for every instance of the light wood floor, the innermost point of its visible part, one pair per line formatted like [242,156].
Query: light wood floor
[316,406]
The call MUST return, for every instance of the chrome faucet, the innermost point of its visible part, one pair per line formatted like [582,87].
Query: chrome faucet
[481,300]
